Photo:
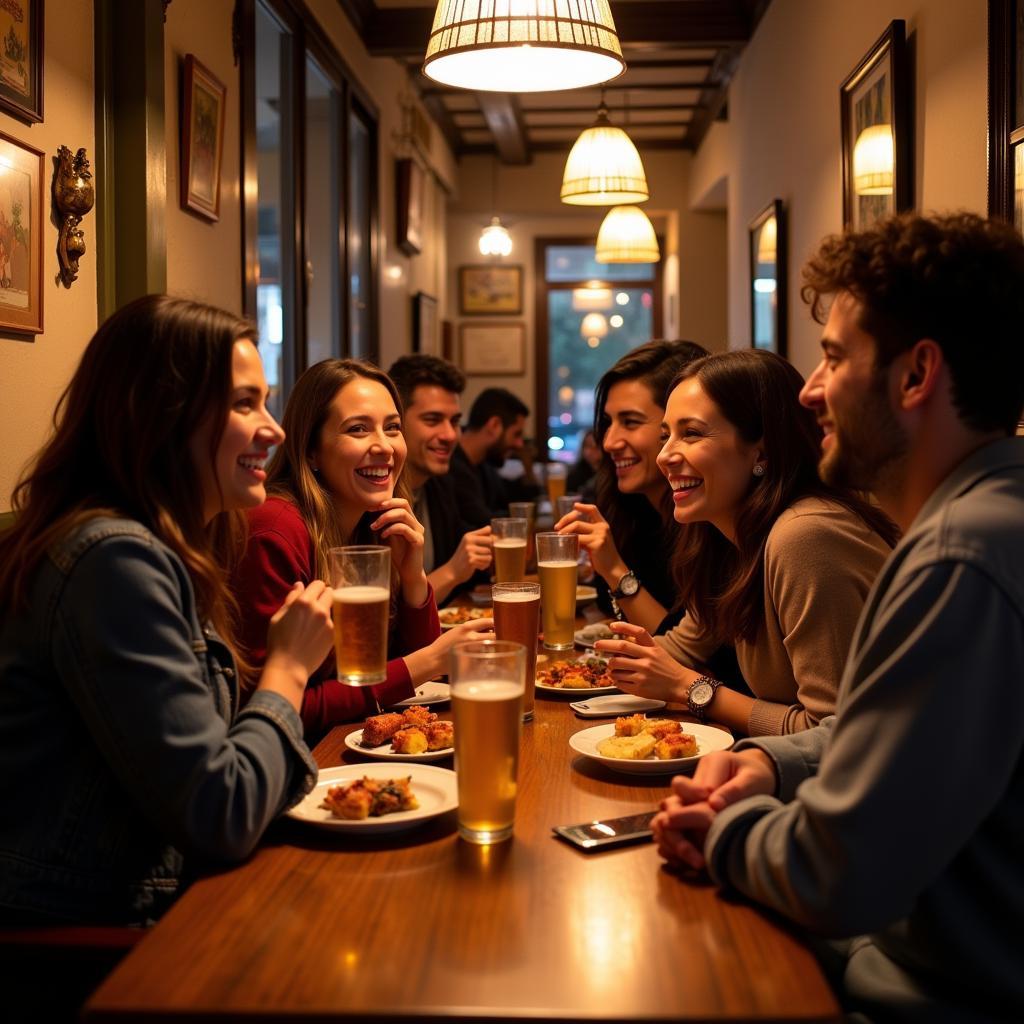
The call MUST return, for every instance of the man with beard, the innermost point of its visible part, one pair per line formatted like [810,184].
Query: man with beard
[452,552]
[898,824]
[495,428]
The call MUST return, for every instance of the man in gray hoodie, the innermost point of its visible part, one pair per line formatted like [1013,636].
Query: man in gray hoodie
[898,824]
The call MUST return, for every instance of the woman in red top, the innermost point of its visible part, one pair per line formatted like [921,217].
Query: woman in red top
[336,480]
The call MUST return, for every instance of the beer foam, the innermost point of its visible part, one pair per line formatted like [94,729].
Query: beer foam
[515,597]
[486,690]
[361,595]
[510,542]
[556,565]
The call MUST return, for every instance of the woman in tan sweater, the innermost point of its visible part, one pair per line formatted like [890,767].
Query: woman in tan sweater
[771,560]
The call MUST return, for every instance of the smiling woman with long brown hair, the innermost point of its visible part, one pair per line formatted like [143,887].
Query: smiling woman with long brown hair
[124,761]
[337,480]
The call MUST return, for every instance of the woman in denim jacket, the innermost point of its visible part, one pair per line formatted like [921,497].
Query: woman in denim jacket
[125,763]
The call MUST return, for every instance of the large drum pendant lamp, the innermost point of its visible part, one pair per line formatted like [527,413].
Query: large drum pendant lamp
[604,168]
[626,235]
[523,45]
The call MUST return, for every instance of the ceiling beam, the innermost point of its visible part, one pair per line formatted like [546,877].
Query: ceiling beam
[404,31]
[443,119]
[613,108]
[714,99]
[501,112]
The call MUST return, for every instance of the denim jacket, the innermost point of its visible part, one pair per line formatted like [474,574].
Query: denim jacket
[123,754]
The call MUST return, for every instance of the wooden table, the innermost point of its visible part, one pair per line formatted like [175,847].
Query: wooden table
[425,927]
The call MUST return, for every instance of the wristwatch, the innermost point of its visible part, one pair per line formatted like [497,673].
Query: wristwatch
[700,695]
[627,586]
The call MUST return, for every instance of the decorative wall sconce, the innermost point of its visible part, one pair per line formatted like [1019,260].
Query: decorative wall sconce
[73,195]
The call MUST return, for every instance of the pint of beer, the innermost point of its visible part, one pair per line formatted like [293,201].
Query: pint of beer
[565,503]
[487,705]
[360,575]
[517,618]
[526,510]
[556,566]
[509,543]
[555,474]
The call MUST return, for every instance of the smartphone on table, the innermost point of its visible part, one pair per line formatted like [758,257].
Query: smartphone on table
[603,835]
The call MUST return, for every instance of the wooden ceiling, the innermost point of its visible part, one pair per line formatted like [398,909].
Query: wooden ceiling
[680,56]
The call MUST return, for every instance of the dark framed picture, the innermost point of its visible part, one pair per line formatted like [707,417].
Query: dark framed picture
[21,237]
[202,139]
[21,60]
[409,184]
[424,324]
[492,350]
[874,104]
[490,288]
[768,279]
[1006,111]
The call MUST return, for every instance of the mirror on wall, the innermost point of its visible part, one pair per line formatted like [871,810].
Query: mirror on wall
[768,279]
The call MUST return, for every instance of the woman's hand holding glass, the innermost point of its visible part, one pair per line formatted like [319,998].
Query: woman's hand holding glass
[638,665]
[404,533]
[299,637]
[595,537]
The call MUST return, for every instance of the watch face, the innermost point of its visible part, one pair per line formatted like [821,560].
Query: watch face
[629,586]
[701,694]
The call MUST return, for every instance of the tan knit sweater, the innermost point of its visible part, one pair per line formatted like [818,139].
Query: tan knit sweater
[820,562]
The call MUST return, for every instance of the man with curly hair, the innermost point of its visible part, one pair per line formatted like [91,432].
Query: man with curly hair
[897,825]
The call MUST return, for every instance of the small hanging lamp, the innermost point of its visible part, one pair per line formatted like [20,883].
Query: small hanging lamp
[523,45]
[873,161]
[495,239]
[604,168]
[626,235]
[594,325]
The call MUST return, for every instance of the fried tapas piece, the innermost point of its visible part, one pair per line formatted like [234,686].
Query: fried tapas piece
[627,748]
[419,716]
[370,798]
[409,741]
[574,681]
[676,744]
[631,725]
[659,728]
[380,728]
[440,735]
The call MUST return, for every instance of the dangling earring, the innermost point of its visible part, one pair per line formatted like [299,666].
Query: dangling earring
[759,470]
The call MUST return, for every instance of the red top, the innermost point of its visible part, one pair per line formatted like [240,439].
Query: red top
[279,552]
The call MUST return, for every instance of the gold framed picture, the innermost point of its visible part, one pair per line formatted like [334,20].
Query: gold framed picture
[21,60]
[486,289]
[202,139]
[21,237]
[493,350]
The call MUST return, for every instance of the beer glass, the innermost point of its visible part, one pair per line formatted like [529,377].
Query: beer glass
[565,503]
[509,543]
[556,566]
[361,577]
[526,510]
[555,474]
[517,618]
[487,705]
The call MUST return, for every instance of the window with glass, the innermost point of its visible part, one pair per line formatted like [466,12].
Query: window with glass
[310,203]
[594,313]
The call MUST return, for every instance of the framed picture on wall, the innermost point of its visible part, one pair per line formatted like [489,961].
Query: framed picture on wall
[202,139]
[21,237]
[21,60]
[409,183]
[492,350]
[874,105]
[768,279]
[424,324]
[488,289]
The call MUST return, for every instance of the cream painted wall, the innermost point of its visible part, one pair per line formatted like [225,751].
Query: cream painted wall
[34,369]
[204,258]
[783,136]
[527,200]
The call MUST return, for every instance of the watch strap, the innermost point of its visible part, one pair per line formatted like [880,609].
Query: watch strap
[618,592]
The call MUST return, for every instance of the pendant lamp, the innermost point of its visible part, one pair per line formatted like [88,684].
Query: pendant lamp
[873,161]
[626,236]
[495,239]
[594,325]
[523,45]
[604,168]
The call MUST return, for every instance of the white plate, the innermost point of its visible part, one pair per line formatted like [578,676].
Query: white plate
[616,704]
[591,692]
[475,613]
[584,595]
[431,692]
[585,641]
[435,789]
[708,739]
[385,753]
